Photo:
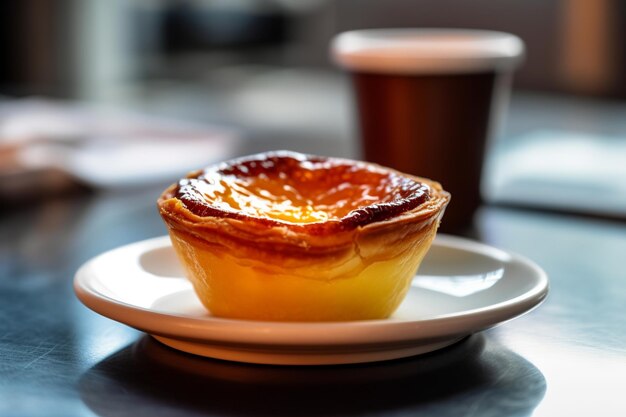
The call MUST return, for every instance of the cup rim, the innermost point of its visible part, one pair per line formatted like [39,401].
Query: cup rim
[427,50]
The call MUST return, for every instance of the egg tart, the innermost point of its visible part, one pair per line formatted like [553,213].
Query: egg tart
[284,236]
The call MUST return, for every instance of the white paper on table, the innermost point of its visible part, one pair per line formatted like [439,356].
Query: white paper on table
[560,170]
[105,148]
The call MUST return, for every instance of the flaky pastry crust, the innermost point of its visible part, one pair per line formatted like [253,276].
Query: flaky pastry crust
[297,244]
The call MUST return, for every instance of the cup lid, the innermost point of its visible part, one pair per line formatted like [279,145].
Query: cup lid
[420,51]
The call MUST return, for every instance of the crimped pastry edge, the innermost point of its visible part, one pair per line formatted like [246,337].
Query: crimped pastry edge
[292,242]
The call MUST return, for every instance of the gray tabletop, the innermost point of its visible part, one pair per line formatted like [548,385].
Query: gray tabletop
[57,358]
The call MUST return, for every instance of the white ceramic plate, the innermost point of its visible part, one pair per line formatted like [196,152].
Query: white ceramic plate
[462,287]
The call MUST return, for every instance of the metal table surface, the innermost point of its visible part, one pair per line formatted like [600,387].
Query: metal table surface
[57,358]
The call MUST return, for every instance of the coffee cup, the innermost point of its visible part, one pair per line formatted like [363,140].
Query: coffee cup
[428,101]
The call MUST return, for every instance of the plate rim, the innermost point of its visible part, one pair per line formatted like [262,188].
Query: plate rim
[236,331]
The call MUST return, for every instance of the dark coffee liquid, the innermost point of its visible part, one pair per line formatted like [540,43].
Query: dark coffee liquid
[434,126]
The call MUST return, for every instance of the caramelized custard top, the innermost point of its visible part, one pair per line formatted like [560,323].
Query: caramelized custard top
[290,188]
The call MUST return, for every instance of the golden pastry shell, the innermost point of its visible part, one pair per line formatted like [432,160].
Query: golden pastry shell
[295,245]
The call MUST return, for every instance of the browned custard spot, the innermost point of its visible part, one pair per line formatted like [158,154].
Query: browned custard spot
[298,190]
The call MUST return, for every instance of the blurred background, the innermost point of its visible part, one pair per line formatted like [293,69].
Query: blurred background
[105,102]
[88,84]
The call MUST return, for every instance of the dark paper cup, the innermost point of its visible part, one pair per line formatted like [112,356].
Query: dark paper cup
[428,100]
